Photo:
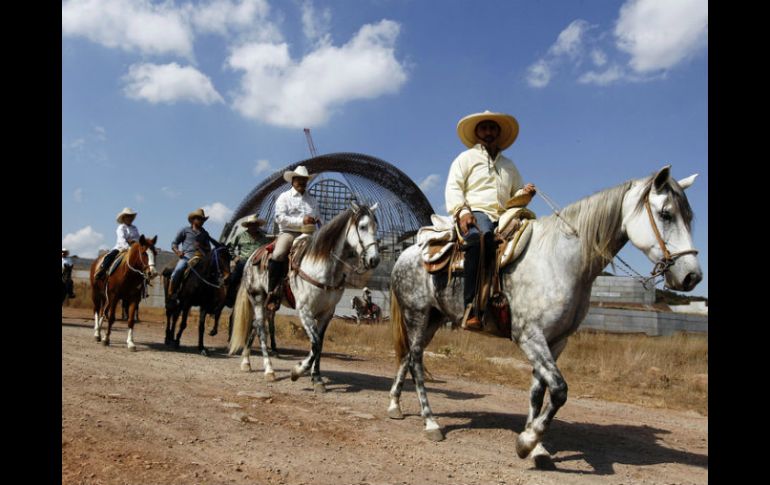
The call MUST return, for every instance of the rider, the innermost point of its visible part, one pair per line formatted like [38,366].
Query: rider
[296,212]
[127,233]
[481,180]
[368,299]
[192,238]
[245,244]
[66,263]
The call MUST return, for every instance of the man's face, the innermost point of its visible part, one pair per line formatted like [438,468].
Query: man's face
[252,229]
[488,132]
[197,221]
[299,184]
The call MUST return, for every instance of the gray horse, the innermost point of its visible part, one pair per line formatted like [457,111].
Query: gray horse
[548,288]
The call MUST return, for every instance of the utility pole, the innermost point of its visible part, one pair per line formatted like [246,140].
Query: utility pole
[310,144]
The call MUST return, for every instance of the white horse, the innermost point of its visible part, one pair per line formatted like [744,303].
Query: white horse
[317,283]
[548,288]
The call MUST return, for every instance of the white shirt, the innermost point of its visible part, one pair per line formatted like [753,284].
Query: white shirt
[485,185]
[66,262]
[292,207]
[126,233]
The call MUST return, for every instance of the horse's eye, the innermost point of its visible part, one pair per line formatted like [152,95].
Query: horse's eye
[666,216]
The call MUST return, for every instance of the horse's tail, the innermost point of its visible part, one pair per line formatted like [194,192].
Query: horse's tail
[243,314]
[397,325]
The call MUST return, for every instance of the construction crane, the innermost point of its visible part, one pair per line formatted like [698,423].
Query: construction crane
[310,144]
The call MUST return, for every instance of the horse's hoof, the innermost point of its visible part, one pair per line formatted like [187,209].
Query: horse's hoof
[204,352]
[106,342]
[319,388]
[542,459]
[132,348]
[177,345]
[245,367]
[434,434]
[212,333]
[524,443]
[97,338]
[395,413]
[270,376]
[295,375]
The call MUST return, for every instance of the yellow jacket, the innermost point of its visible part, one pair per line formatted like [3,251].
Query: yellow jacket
[483,184]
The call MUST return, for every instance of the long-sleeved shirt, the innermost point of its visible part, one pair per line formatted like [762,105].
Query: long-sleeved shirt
[244,244]
[67,261]
[292,207]
[188,240]
[484,184]
[126,233]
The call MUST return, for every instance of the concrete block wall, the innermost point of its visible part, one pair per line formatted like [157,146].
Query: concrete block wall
[620,289]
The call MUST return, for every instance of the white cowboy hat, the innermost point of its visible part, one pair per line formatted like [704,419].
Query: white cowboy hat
[197,213]
[509,128]
[253,220]
[300,171]
[65,250]
[127,211]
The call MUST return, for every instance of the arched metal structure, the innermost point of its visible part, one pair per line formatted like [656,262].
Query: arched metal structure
[403,208]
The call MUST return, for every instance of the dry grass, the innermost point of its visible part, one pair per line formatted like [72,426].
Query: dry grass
[664,372]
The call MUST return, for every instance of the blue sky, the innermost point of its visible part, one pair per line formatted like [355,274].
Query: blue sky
[171,106]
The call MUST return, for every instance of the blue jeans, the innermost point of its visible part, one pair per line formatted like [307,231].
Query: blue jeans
[179,271]
[473,254]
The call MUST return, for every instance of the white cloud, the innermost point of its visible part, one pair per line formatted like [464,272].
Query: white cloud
[598,57]
[660,34]
[78,195]
[131,25]
[430,182]
[225,16]
[170,193]
[280,91]
[570,40]
[262,166]
[315,25]
[612,74]
[85,242]
[217,212]
[539,74]
[169,83]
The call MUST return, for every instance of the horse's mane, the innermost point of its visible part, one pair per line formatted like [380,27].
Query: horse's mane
[323,241]
[597,219]
[676,196]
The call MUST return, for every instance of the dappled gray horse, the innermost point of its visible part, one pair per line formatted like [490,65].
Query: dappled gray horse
[317,284]
[548,288]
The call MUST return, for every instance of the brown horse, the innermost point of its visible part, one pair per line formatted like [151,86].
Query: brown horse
[127,283]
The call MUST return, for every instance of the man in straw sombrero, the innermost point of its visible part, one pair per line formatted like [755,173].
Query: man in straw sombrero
[296,213]
[188,240]
[127,233]
[481,182]
[245,244]
[67,264]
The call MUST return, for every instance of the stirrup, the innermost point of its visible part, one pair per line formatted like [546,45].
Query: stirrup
[273,300]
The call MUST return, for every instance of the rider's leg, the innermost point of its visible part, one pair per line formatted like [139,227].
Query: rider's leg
[277,267]
[106,262]
[176,276]
[471,266]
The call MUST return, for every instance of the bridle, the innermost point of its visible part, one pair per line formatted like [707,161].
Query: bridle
[662,265]
[361,268]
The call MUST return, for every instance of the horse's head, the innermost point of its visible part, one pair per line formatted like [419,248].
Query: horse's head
[220,259]
[657,219]
[147,246]
[363,237]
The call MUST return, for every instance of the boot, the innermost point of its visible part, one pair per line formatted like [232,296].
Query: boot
[276,271]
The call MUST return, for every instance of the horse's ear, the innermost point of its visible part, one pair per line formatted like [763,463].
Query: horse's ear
[661,178]
[142,240]
[154,240]
[354,205]
[686,182]
[374,207]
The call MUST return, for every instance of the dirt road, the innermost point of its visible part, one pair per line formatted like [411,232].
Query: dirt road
[158,416]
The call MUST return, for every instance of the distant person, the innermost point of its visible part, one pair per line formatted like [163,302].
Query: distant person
[245,244]
[481,181]
[66,271]
[368,299]
[296,212]
[127,233]
[187,242]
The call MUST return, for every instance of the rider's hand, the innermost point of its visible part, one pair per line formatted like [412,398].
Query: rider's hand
[465,221]
[530,189]
[308,220]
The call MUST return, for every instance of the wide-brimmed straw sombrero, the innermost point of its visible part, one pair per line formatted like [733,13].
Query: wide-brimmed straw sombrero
[253,220]
[300,171]
[127,211]
[65,251]
[196,213]
[509,128]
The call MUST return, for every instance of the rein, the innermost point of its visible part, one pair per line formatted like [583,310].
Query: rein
[216,263]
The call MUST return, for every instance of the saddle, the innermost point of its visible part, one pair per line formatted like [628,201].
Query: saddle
[262,255]
[115,263]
